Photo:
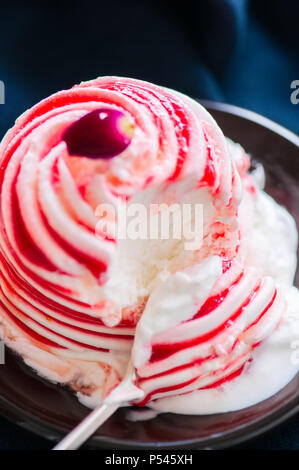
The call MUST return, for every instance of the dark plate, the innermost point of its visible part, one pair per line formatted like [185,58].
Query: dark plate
[51,410]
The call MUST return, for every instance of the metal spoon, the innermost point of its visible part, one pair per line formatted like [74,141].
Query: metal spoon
[123,394]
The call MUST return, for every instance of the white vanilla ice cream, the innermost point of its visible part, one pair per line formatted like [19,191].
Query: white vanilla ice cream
[200,330]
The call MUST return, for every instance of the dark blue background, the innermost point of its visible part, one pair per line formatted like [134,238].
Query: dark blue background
[236,51]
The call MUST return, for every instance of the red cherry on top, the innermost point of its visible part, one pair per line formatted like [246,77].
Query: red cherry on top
[102,133]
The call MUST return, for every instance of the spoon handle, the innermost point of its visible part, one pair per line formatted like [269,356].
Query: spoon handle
[87,427]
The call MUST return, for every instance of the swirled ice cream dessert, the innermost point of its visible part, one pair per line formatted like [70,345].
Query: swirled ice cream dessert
[207,329]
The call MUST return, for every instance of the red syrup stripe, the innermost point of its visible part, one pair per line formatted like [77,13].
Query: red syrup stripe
[55,181]
[25,124]
[19,227]
[162,351]
[22,238]
[95,266]
[51,304]
[50,319]
[175,112]
[165,390]
[35,255]
[216,384]
[183,366]
[224,380]
[263,312]
[139,98]
[258,319]
[28,331]
[200,361]
[209,176]
[226,265]
[175,369]
[186,137]
[21,323]
[111,336]
[213,302]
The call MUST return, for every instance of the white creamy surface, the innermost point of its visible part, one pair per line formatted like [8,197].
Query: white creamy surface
[273,241]
[174,301]
[272,249]
[274,364]
[276,361]
[246,261]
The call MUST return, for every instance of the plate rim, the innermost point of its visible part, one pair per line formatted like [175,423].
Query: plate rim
[253,116]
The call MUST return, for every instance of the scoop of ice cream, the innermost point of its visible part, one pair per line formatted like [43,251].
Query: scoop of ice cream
[73,292]
[213,322]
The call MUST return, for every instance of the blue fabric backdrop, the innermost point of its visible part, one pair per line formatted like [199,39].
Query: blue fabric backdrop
[236,51]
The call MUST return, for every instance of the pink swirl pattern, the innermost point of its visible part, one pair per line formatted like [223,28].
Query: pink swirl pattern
[55,265]
[217,343]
